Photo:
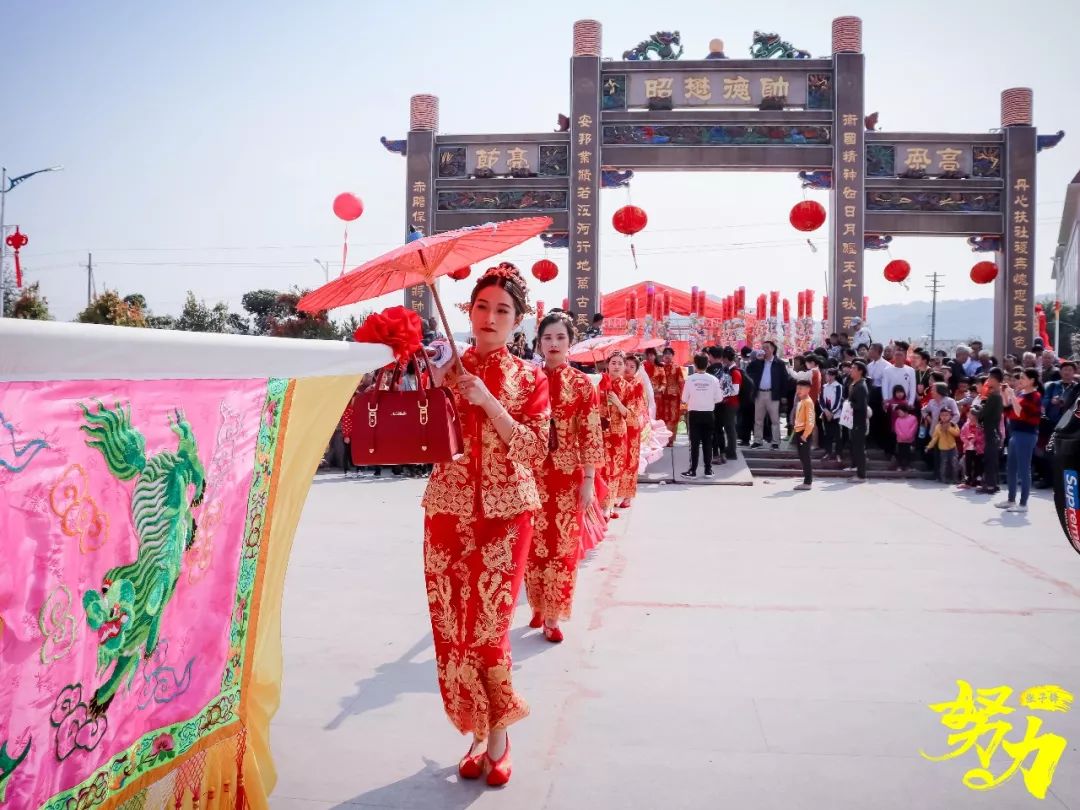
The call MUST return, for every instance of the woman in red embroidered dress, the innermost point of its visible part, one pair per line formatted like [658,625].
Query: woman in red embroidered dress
[478,524]
[614,391]
[566,480]
[638,408]
[669,393]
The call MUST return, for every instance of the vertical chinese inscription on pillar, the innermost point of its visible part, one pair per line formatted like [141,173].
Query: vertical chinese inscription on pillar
[848,191]
[584,203]
[418,207]
[1018,241]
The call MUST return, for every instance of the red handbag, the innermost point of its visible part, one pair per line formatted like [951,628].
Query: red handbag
[395,427]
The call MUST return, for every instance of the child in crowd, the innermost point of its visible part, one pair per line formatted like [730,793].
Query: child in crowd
[803,425]
[944,440]
[905,426]
[831,401]
[973,441]
[964,397]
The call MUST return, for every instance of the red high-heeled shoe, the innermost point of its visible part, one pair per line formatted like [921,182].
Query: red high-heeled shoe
[471,765]
[498,773]
[537,621]
[553,634]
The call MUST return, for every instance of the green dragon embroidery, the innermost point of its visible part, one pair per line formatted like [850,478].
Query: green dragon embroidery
[127,613]
[8,764]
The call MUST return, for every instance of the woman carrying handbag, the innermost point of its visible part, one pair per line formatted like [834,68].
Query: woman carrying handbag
[478,523]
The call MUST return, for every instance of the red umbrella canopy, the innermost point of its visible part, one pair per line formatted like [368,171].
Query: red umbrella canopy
[422,261]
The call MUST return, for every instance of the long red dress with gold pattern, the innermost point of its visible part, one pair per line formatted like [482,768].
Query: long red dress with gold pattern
[669,396]
[477,531]
[616,443]
[575,441]
[638,407]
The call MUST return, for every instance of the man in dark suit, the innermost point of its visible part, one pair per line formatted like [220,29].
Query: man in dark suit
[770,377]
[859,397]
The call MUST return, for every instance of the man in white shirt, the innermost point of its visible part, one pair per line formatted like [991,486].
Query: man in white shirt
[876,365]
[899,373]
[701,394]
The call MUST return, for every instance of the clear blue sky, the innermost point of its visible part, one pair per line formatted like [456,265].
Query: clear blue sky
[203,141]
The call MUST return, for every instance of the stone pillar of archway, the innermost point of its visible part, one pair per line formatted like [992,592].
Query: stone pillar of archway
[583,271]
[848,197]
[420,185]
[1014,290]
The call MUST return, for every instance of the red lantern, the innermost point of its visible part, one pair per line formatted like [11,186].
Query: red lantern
[347,206]
[801,299]
[808,215]
[629,220]
[545,270]
[824,307]
[787,311]
[461,274]
[761,307]
[897,270]
[984,272]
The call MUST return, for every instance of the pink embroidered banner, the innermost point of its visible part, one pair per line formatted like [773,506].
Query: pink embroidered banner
[131,525]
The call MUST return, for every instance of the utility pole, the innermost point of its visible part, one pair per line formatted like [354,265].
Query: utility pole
[934,286]
[89,279]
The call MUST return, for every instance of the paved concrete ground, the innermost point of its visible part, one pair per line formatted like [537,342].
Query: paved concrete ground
[737,647]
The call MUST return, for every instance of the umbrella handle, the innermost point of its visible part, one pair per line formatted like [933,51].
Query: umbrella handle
[446,326]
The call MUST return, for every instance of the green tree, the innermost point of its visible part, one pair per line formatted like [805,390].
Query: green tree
[265,309]
[161,321]
[196,316]
[109,308]
[31,304]
[274,313]
[137,300]
[297,324]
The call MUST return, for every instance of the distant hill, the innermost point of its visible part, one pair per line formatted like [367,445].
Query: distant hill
[956,321]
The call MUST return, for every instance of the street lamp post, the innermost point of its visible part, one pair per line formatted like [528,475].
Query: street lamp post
[325,268]
[5,187]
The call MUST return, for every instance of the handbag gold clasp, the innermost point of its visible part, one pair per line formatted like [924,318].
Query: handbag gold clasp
[372,415]
[423,414]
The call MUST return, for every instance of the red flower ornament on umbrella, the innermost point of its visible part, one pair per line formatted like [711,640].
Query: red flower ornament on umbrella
[399,328]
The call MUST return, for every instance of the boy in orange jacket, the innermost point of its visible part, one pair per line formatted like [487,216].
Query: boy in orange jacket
[804,429]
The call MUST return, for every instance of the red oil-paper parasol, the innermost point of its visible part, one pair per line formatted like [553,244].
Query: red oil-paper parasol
[422,261]
[600,348]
